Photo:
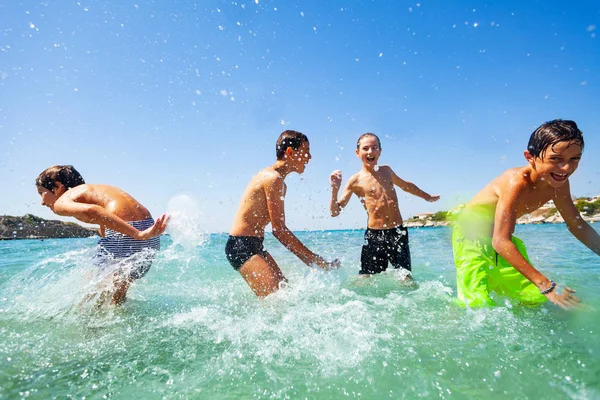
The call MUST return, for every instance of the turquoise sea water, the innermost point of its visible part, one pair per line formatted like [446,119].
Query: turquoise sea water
[193,329]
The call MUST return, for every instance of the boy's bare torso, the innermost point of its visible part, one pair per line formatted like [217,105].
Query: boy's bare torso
[253,213]
[111,198]
[376,191]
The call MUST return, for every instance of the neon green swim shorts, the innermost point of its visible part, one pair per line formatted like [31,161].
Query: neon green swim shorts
[479,268]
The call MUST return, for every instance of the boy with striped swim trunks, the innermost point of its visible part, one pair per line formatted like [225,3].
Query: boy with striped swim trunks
[386,239]
[488,257]
[130,236]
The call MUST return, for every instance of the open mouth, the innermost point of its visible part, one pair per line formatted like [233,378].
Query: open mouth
[559,177]
[370,158]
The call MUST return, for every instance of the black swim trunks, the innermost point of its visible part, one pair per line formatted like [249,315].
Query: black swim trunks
[383,245]
[240,249]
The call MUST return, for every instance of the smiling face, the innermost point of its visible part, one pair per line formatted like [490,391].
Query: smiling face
[558,163]
[368,151]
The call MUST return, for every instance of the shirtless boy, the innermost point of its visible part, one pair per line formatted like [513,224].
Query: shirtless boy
[126,227]
[487,255]
[262,203]
[385,238]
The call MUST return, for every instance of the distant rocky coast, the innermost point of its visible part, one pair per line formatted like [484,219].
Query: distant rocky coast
[547,214]
[526,219]
[31,227]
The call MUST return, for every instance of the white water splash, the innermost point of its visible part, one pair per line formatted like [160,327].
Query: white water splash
[185,225]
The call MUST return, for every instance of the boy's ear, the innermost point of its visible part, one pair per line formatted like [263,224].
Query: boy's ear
[530,158]
[58,188]
[289,151]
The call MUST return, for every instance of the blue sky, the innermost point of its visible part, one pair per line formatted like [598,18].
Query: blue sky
[171,98]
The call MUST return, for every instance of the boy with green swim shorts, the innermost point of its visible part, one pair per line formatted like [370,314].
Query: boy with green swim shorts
[488,257]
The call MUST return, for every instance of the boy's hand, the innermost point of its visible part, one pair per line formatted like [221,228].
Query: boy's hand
[158,228]
[335,264]
[335,179]
[565,300]
[431,198]
[326,265]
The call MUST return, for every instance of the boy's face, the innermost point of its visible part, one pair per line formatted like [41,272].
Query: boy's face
[48,197]
[368,151]
[301,157]
[558,164]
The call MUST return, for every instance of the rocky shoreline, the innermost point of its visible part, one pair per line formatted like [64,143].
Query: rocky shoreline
[524,220]
[31,227]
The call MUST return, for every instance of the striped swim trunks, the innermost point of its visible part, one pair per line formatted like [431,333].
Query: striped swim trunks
[115,246]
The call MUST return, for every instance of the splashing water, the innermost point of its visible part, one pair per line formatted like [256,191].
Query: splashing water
[193,328]
[185,225]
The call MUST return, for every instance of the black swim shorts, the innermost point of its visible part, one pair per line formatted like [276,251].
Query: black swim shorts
[240,249]
[383,246]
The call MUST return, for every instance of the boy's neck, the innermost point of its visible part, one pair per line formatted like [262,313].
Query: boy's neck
[534,177]
[282,168]
[371,170]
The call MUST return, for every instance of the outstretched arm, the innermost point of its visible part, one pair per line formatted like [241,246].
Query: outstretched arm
[577,226]
[504,226]
[94,214]
[413,189]
[335,205]
[274,191]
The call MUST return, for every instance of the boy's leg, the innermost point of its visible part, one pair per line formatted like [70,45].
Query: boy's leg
[474,259]
[262,274]
[121,287]
[132,268]
[400,251]
[509,282]
[373,257]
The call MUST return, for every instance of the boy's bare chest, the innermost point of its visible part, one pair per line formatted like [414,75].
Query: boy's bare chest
[535,199]
[374,188]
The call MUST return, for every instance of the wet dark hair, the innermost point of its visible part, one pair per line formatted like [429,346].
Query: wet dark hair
[551,133]
[365,135]
[65,174]
[287,139]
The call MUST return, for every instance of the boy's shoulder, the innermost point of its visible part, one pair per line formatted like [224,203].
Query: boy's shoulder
[267,176]
[515,175]
[354,178]
[513,179]
[386,168]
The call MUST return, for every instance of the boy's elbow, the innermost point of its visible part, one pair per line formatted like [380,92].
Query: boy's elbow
[499,244]
[279,232]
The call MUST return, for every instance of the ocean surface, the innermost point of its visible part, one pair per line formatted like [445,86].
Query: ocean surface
[193,329]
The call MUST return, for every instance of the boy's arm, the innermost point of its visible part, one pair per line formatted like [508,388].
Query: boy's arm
[504,226]
[94,214]
[335,180]
[412,188]
[577,226]
[274,191]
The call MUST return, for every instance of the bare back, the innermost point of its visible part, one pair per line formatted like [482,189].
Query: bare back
[112,199]
[253,213]
[377,194]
